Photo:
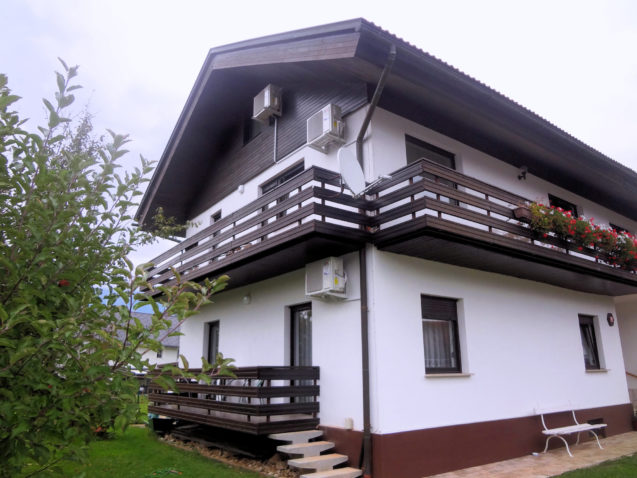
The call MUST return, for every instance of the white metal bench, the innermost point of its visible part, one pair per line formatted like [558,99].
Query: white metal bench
[577,427]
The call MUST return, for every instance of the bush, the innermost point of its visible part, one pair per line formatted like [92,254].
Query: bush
[66,342]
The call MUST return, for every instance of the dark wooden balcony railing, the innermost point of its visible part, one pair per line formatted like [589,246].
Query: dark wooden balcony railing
[259,401]
[425,205]
[281,216]
[425,210]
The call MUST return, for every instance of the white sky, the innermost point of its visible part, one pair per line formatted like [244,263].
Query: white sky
[572,62]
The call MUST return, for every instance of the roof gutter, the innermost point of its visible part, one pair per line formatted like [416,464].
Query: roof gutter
[366,457]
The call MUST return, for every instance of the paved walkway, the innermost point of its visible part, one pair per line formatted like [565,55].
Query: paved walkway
[555,462]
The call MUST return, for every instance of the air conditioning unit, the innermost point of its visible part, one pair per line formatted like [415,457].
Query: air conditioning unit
[326,279]
[267,103]
[325,128]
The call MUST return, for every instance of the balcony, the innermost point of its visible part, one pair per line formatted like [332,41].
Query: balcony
[425,210]
[433,212]
[303,220]
[258,401]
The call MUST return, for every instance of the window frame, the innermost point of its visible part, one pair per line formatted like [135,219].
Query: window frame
[588,322]
[619,229]
[208,331]
[438,155]
[280,179]
[454,342]
[557,201]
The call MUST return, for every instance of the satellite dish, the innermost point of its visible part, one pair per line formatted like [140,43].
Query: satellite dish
[351,171]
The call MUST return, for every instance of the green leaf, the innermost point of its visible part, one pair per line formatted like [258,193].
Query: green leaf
[184,362]
[48,105]
[66,68]
[61,82]
[121,422]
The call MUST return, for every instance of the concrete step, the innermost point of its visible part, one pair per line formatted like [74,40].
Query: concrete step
[318,463]
[338,473]
[297,437]
[313,448]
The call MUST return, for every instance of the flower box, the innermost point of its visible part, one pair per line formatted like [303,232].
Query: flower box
[523,214]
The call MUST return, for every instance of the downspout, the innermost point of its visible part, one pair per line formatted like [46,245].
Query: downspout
[374,102]
[276,138]
[366,458]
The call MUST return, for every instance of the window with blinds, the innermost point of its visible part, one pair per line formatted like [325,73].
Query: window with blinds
[440,334]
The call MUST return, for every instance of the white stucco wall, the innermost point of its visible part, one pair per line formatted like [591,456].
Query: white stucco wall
[627,322]
[521,340]
[522,347]
[258,334]
[387,143]
[169,355]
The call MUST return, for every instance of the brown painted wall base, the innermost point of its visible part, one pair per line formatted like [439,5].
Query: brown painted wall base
[348,442]
[419,453]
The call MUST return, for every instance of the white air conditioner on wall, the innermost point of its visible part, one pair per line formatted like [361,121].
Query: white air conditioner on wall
[326,279]
[325,128]
[267,103]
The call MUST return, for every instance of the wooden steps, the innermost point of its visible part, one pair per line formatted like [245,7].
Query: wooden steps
[319,462]
[337,473]
[311,458]
[312,448]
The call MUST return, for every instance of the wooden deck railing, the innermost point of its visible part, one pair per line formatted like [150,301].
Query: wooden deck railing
[260,400]
[420,198]
[456,204]
[314,195]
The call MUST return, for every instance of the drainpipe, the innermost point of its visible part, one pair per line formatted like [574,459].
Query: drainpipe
[374,102]
[366,458]
[276,138]
[366,455]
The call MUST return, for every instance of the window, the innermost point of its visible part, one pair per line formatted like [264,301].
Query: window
[213,219]
[212,341]
[281,179]
[564,204]
[418,149]
[440,334]
[589,342]
[619,228]
[159,353]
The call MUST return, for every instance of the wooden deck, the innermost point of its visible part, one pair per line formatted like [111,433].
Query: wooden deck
[425,210]
[259,401]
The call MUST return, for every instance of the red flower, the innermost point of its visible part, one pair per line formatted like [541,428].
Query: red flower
[63,283]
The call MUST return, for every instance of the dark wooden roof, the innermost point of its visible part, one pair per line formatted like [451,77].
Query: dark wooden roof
[420,87]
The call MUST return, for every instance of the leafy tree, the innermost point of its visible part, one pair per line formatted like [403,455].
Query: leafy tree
[65,232]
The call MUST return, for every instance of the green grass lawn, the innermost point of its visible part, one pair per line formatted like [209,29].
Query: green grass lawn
[137,453]
[623,468]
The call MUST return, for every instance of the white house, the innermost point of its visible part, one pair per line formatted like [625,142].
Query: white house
[457,322]
[170,345]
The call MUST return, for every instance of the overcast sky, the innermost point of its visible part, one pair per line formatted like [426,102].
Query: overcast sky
[572,62]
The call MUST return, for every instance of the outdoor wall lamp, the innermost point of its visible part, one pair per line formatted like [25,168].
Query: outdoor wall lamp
[523,171]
